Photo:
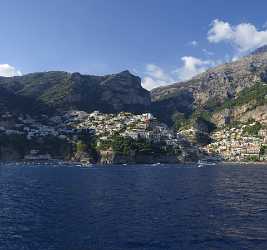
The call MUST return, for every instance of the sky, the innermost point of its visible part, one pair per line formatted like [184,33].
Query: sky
[162,41]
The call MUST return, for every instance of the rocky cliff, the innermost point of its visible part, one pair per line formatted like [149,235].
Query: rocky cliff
[250,104]
[241,114]
[111,157]
[212,88]
[64,91]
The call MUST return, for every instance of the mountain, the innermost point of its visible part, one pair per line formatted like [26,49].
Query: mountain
[212,88]
[221,112]
[212,92]
[64,91]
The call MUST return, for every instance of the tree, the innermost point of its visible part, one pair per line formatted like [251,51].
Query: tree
[81,146]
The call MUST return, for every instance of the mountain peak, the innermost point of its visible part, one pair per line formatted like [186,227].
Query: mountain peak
[125,73]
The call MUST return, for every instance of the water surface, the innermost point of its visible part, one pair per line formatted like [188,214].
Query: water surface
[133,207]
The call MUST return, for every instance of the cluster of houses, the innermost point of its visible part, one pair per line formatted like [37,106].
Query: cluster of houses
[143,126]
[234,144]
[57,126]
[231,144]
[103,126]
[69,124]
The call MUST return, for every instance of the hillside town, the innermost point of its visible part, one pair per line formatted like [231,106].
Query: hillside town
[143,126]
[244,142]
[138,127]
[103,127]
[11,124]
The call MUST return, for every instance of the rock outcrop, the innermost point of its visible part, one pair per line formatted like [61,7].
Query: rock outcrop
[110,157]
[241,114]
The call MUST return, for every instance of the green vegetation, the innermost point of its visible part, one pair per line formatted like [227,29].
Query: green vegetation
[252,130]
[57,90]
[263,150]
[86,143]
[105,145]
[200,119]
[167,109]
[234,124]
[18,142]
[252,158]
[81,147]
[124,146]
[212,104]
[49,144]
[203,118]
[53,145]
[256,94]
[180,121]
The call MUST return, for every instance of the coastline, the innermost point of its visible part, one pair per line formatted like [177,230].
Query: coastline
[76,163]
[62,162]
[243,163]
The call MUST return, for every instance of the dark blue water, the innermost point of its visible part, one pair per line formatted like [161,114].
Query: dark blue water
[120,208]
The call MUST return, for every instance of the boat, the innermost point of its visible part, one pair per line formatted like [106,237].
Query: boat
[207,162]
[86,164]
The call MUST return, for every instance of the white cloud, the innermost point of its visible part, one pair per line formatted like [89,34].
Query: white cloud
[150,83]
[8,70]
[245,36]
[235,58]
[156,76]
[191,67]
[220,31]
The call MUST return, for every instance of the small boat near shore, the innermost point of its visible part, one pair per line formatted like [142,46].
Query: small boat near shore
[207,162]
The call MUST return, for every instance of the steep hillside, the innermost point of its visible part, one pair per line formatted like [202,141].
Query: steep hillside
[64,91]
[251,103]
[10,102]
[207,92]
[212,88]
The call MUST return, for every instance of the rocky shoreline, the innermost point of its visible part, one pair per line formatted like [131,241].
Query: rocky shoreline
[80,164]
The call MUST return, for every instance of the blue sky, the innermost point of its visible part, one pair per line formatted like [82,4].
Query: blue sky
[160,40]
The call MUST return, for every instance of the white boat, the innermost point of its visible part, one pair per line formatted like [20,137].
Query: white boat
[208,162]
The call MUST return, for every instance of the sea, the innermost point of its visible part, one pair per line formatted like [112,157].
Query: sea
[144,207]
